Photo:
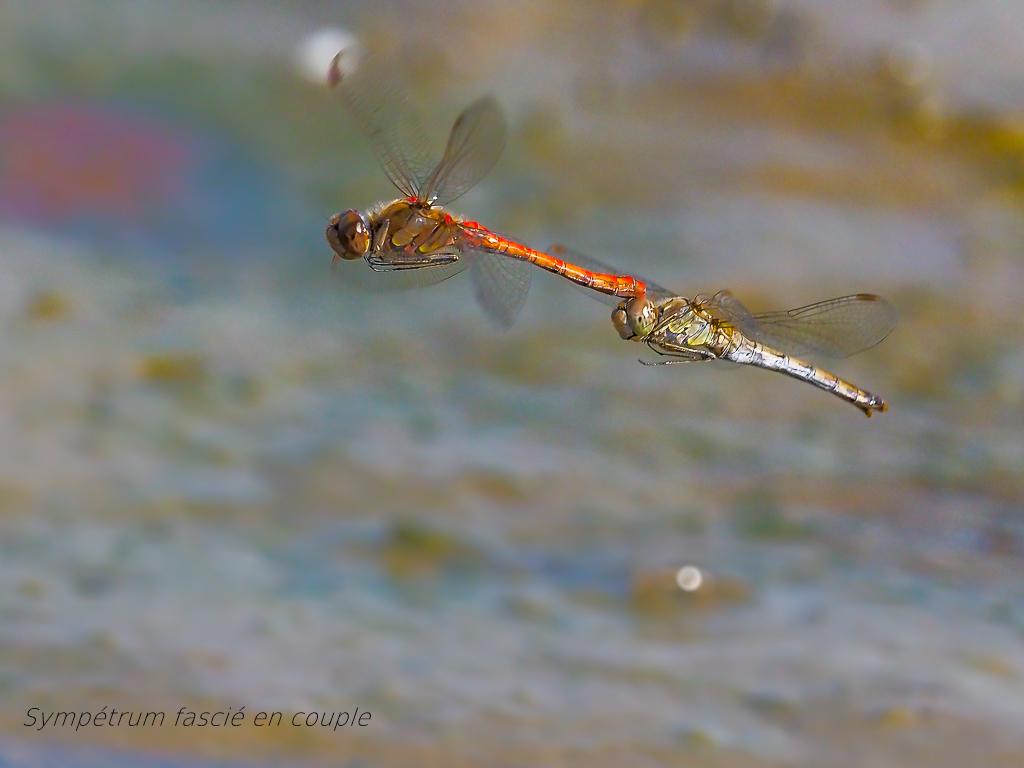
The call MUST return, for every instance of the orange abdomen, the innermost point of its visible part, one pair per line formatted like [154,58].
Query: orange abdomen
[623,286]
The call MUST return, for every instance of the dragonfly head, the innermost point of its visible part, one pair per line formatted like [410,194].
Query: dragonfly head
[349,235]
[634,318]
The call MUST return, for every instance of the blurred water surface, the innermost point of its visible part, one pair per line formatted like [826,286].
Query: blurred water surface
[230,477]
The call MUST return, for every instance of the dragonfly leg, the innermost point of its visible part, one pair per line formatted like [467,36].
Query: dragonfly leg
[693,355]
[381,236]
[655,363]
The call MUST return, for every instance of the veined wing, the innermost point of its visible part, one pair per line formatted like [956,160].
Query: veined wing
[654,291]
[368,86]
[500,285]
[474,146]
[834,328]
[724,306]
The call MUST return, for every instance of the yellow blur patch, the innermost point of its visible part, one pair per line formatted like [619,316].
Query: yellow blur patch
[176,369]
[47,307]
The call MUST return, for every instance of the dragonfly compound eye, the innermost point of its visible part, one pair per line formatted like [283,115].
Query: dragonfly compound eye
[349,235]
[621,323]
[634,318]
[649,318]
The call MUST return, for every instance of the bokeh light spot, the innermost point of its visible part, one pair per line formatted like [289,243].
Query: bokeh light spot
[689,578]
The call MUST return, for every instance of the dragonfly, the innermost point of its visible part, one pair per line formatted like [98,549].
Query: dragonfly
[720,327]
[416,231]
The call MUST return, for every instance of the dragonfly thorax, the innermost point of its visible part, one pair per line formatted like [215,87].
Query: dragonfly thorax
[408,233]
[685,324]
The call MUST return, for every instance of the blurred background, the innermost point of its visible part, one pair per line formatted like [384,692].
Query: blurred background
[230,477]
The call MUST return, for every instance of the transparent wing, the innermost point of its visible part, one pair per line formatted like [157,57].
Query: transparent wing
[832,328]
[727,307]
[500,285]
[370,88]
[565,253]
[474,146]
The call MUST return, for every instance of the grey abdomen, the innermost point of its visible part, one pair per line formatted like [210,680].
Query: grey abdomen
[749,352]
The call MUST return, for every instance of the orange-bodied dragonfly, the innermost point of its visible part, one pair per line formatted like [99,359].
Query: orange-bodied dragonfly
[719,327]
[415,231]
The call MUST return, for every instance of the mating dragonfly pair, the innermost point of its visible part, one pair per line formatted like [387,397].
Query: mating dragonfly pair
[416,232]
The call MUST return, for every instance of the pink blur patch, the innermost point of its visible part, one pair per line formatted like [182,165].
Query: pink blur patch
[62,161]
